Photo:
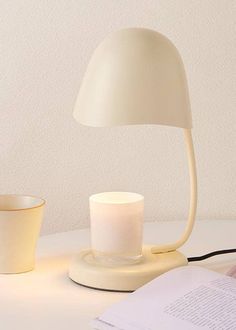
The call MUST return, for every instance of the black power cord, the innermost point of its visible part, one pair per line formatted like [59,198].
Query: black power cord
[211,254]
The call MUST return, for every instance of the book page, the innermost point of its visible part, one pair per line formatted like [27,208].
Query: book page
[188,297]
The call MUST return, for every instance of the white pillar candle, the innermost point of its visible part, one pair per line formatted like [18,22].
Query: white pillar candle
[116,225]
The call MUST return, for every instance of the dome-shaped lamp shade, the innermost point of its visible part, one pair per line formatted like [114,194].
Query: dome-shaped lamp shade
[135,76]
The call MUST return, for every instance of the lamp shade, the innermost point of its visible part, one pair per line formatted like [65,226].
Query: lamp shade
[135,76]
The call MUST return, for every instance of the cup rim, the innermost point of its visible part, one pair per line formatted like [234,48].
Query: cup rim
[40,200]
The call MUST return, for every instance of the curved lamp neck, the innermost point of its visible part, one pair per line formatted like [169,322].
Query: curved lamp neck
[193,198]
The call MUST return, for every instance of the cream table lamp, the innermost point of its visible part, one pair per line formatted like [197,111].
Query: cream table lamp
[136,77]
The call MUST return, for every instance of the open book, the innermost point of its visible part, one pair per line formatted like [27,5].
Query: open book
[185,298]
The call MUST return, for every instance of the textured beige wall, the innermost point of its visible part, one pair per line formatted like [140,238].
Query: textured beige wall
[44,49]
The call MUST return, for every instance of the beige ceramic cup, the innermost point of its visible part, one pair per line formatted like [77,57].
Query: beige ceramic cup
[20,222]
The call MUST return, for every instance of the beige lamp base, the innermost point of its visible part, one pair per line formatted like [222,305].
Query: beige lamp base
[85,270]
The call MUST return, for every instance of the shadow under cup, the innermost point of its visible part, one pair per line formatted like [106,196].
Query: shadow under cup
[20,222]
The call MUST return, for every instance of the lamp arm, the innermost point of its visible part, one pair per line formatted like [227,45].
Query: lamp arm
[193,198]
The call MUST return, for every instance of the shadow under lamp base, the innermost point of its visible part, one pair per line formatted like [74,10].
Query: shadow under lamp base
[86,271]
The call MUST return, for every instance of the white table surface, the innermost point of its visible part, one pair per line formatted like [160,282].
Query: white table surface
[47,299]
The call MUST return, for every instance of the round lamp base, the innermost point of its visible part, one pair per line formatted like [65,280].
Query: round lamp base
[87,271]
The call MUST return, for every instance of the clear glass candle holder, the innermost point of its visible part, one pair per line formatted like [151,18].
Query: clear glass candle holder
[116,227]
